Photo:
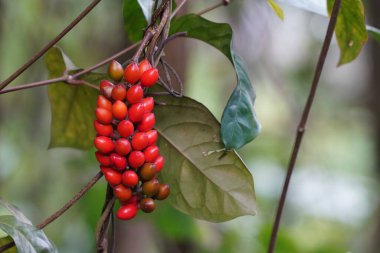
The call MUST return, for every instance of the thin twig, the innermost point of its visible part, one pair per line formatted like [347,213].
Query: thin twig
[104,221]
[33,85]
[49,45]
[302,124]
[212,7]
[170,38]
[178,9]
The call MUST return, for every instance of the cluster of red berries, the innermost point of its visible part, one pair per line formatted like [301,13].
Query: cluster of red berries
[126,140]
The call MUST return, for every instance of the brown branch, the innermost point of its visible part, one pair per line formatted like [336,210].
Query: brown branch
[104,221]
[212,7]
[302,124]
[177,9]
[34,84]
[49,45]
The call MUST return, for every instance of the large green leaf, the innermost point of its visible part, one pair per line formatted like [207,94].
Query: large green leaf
[72,107]
[28,238]
[239,122]
[205,184]
[134,20]
[350,29]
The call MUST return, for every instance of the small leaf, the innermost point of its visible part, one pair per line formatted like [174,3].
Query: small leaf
[134,20]
[9,209]
[276,8]
[350,29]
[28,239]
[239,122]
[72,107]
[205,184]
[244,125]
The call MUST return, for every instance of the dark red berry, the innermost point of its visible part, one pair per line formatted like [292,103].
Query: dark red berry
[163,192]
[122,193]
[122,146]
[136,159]
[149,77]
[119,92]
[104,144]
[147,122]
[140,141]
[104,116]
[148,104]
[152,137]
[119,162]
[147,205]
[103,159]
[102,129]
[150,188]
[119,110]
[132,73]
[127,212]
[135,94]
[144,66]
[130,178]
[115,71]
[103,102]
[147,172]
[125,128]
[106,88]
[113,177]
[151,153]
[159,162]
[136,112]
[134,200]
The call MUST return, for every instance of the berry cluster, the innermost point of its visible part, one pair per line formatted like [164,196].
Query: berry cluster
[126,140]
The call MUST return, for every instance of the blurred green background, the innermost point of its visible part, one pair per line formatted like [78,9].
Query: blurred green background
[333,202]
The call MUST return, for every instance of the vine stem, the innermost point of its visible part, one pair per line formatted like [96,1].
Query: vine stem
[49,45]
[302,124]
[222,3]
[63,209]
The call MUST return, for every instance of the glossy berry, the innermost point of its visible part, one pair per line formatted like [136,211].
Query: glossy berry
[102,129]
[104,116]
[150,188]
[147,172]
[159,162]
[119,110]
[135,94]
[136,112]
[140,141]
[149,77]
[148,104]
[113,177]
[125,128]
[119,92]
[106,88]
[103,159]
[144,66]
[119,162]
[152,137]
[163,192]
[103,102]
[151,153]
[147,205]
[136,159]
[134,200]
[130,178]
[127,212]
[122,146]
[147,122]
[115,71]
[132,73]
[104,144]
[122,193]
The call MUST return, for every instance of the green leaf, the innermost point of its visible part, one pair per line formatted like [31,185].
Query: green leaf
[374,32]
[244,126]
[239,122]
[350,29]
[5,241]
[134,20]
[28,239]
[276,8]
[147,8]
[205,184]
[72,107]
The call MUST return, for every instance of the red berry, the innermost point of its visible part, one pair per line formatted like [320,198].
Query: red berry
[127,212]
[122,193]
[106,88]
[163,192]
[144,66]
[104,144]
[149,77]
[152,137]
[130,178]
[136,159]
[119,162]
[148,104]
[132,73]
[150,188]
[136,112]
[159,162]
[103,159]
[147,122]
[119,92]
[105,130]
[140,141]
[133,200]
[122,146]
[147,171]
[115,70]
[151,153]
[112,177]
[103,102]
[135,94]
[147,205]
[104,116]
[119,110]
[125,128]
